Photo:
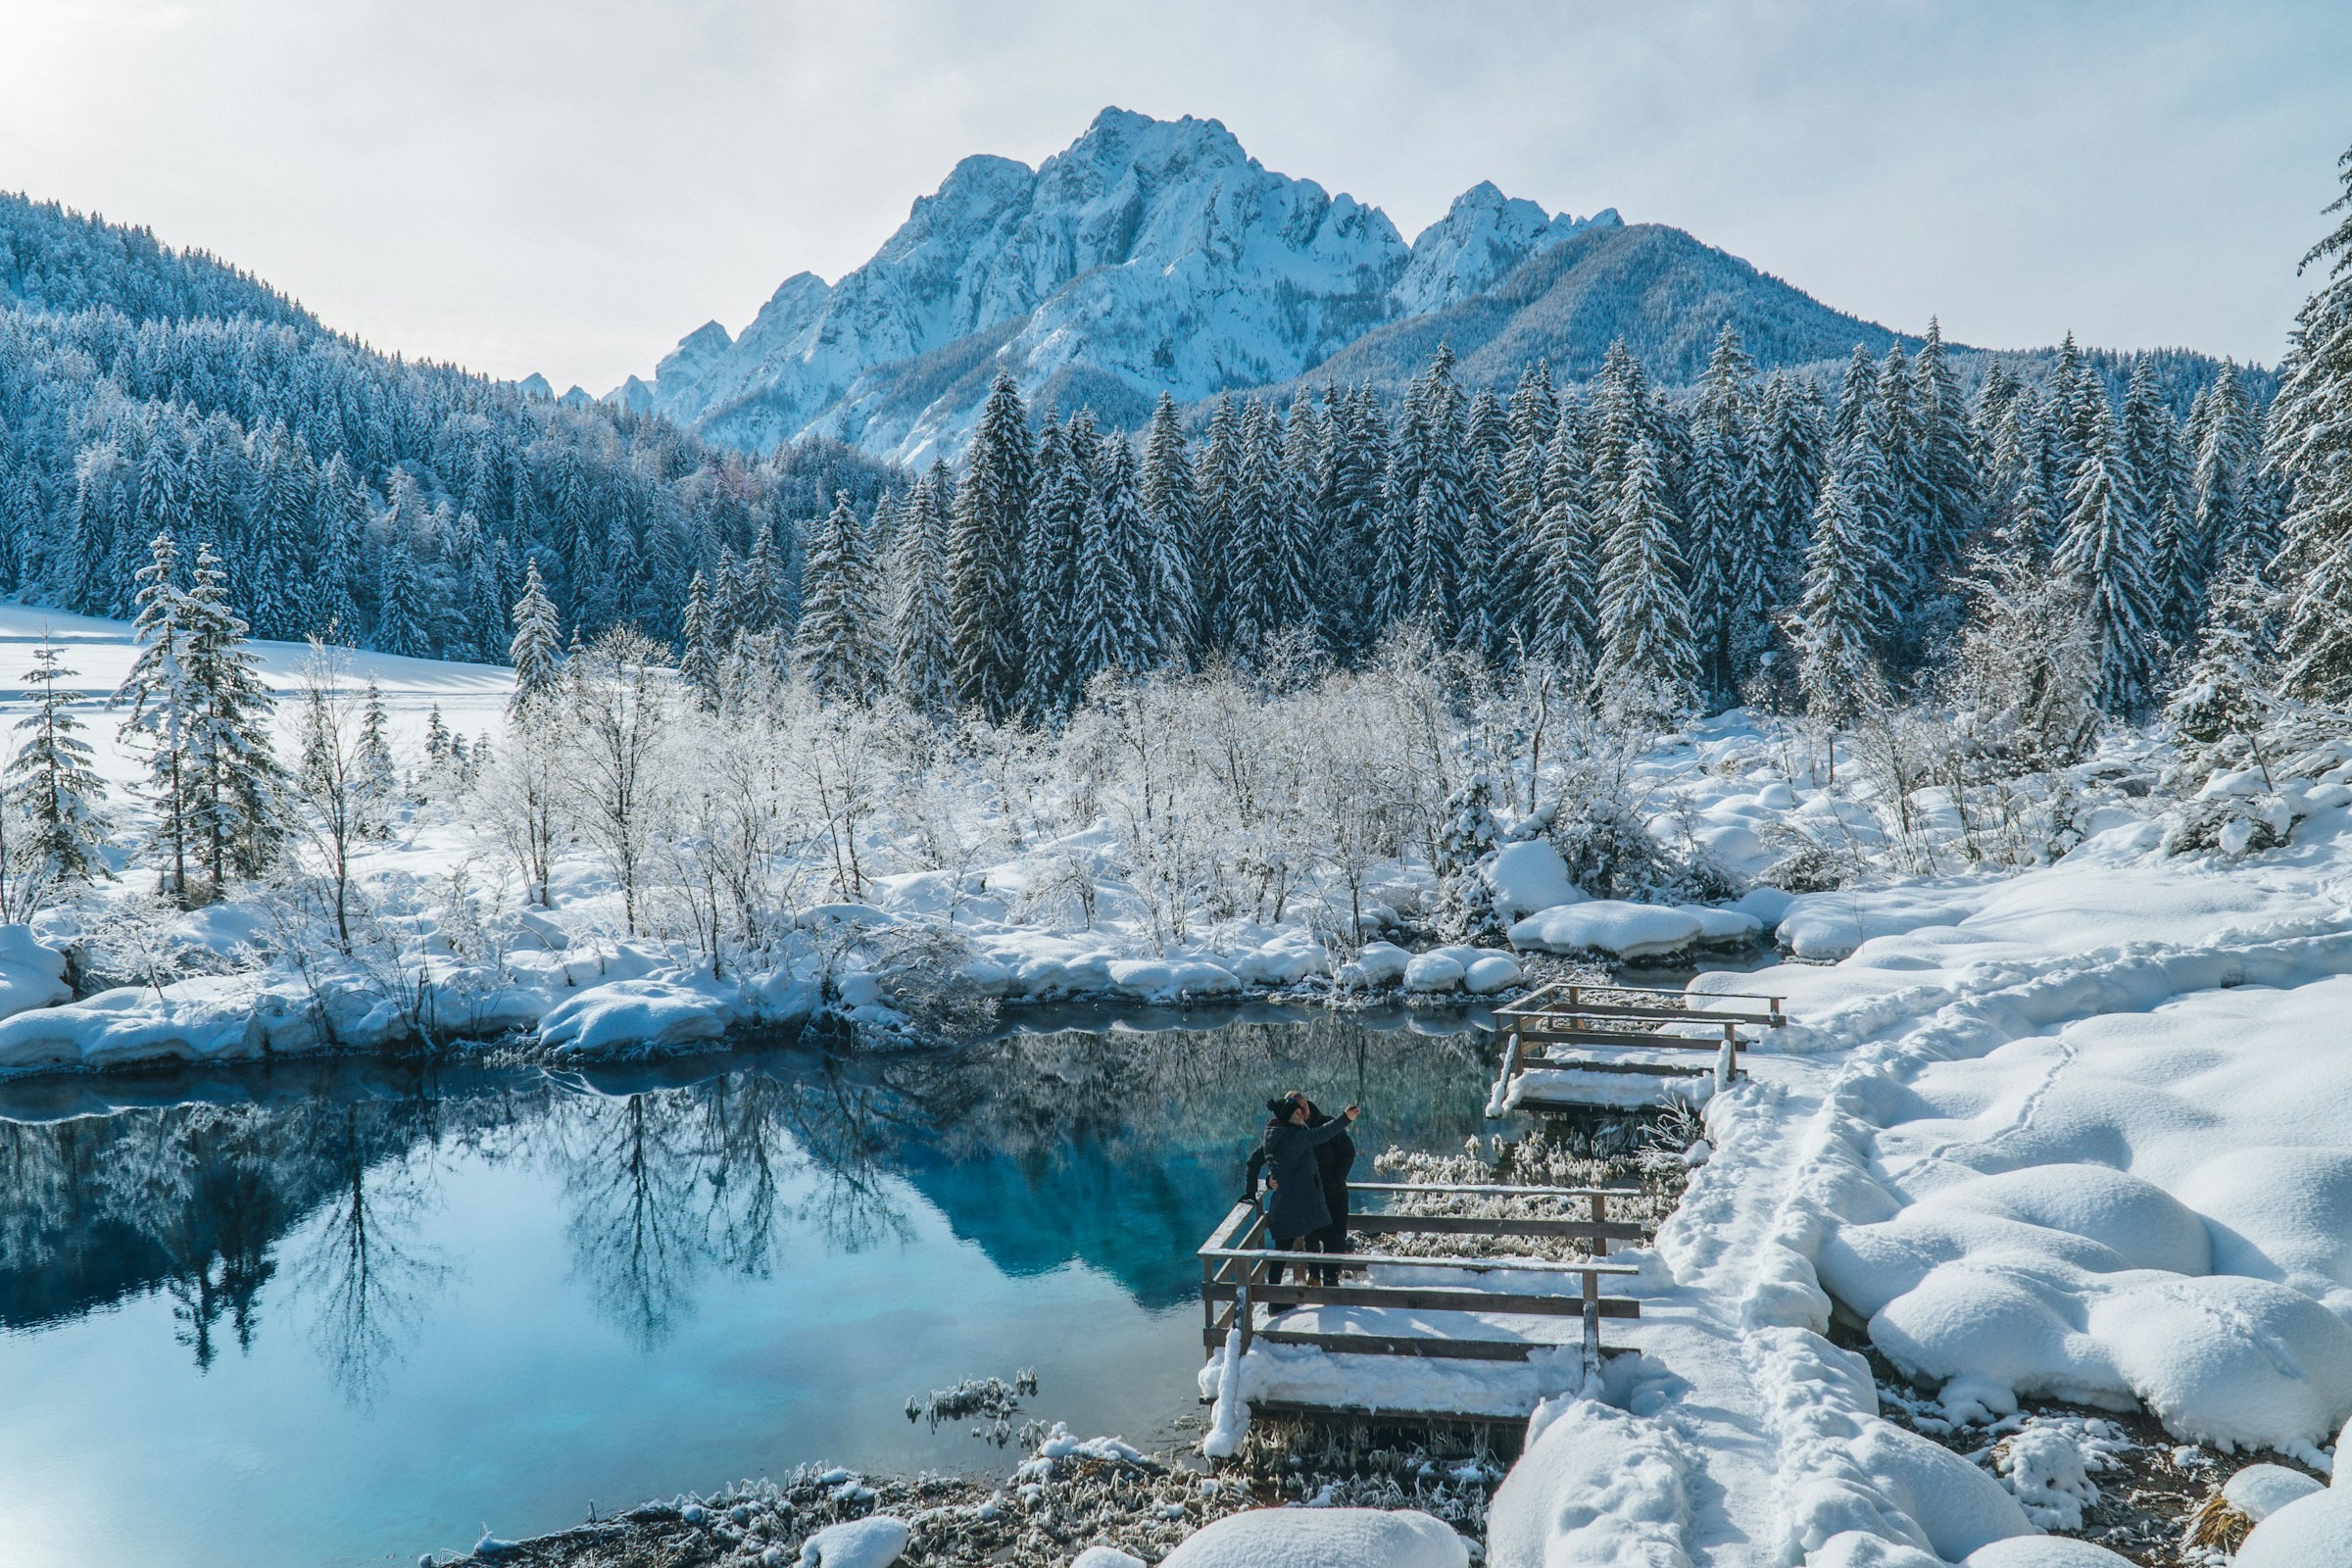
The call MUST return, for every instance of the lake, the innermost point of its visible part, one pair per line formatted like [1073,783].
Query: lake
[348,1312]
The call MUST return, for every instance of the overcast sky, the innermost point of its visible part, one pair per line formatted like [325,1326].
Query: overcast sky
[571,185]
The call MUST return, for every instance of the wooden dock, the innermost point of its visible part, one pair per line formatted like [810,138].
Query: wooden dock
[1456,1320]
[1562,1031]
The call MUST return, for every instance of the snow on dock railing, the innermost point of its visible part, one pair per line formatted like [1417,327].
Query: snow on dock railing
[1583,1016]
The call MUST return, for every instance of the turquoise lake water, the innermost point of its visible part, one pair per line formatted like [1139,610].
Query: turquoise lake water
[350,1312]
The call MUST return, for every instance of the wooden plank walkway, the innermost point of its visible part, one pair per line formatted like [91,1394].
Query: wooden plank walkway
[1617,1031]
[1453,1321]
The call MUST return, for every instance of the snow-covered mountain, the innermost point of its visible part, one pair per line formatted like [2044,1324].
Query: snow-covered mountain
[1148,256]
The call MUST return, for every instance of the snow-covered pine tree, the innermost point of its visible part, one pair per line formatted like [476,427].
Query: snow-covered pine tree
[1172,509]
[2149,450]
[1291,538]
[699,656]
[1846,604]
[2222,434]
[1857,394]
[2226,695]
[2106,552]
[166,705]
[1729,545]
[837,646]
[1487,595]
[1951,495]
[1110,628]
[400,615]
[378,781]
[1465,908]
[1436,448]
[1645,614]
[1216,477]
[922,644]
[53,783]
[237,808]
[1049,567]
[279,514]
[536,651]
[984,556]
[342,520]
[2310,449]
[1559,620]
[1910,519]
[2026,513]
[2072,409]
[1789,461]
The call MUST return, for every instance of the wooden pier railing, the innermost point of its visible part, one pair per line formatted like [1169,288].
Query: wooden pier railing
[1237,1274]
[1580,1018]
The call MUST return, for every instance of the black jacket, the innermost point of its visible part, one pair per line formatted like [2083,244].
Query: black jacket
[1292,1156]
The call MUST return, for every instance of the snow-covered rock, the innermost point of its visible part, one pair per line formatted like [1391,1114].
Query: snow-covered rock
[2044,1552]
[1608,925]
[1496,971]
[1530,877]
[2313,1532]
[1438,969]
[31,976]
[875,1542]
[633,1015]
[1105,1557]
[1322,1537]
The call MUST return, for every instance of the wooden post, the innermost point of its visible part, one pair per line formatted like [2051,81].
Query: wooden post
[1727,1065]
[1601,1218]
[1592,1320]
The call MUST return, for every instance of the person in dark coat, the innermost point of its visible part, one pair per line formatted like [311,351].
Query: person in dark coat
[1296,1210]
[1333,1162]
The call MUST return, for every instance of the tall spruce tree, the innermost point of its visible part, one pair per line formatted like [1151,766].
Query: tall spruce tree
[922,641]
[837,646]
[1172,510]
[537,649]
[2310,449]
[698,658]
[1644,616]
[1066,485]
[984,556]
[2106,550]
[53,784]
[1846,602]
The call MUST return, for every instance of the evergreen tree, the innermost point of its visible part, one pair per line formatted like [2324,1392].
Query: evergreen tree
[1788,461]
[536,650]
[2106,552]
[1644,616]
[1487,599]
[1109,626]
[54,783]
[1558,622]
[378,781]
[1950,496]
[1172,509]
[240,817]
[1216,480]
[922,644]
[166,707]
[1845,606]
[984,556]
[401,611]
[700,657]
[837,646]
[1432,451]
[2310,451]
[2226,693]
[1065,486]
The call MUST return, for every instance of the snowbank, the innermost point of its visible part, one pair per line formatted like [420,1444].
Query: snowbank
[31,976]
[1322,1537]
[1607,926]
[1527,877]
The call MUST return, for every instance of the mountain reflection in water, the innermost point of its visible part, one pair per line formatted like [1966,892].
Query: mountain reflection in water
[540,1288]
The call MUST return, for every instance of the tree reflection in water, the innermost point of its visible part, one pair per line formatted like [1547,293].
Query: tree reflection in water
[1117,1150]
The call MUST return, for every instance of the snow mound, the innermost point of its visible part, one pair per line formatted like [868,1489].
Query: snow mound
[2314,1531]
[1598,1485]
[1322,1537]
[31,976]
[632,1014]
[875,1542]
[1459,968]
[1822,927]
[1607,926]
[2044,1552]
[2260,1490]
[1531,876]
[1104,1557]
